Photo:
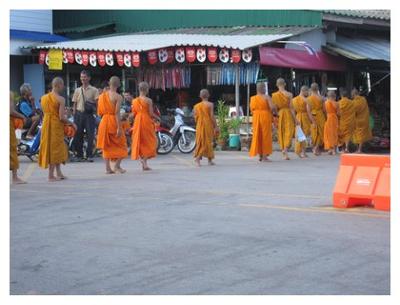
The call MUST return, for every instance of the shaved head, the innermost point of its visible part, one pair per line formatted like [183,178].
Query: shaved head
[57,84]
[343,92]
[355,92]
[314,87]
[280,82]
[204,94]
[261,88]
[144,87]
[331,95]
[115,82]
[304,90]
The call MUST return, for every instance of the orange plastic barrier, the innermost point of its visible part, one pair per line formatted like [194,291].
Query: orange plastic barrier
[363,180]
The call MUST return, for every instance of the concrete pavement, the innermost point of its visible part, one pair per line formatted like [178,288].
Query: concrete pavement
[240,227]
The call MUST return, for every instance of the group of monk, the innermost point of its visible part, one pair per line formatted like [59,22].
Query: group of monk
[329,123]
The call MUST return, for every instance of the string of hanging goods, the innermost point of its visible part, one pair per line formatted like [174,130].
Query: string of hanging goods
[166,77]
[225,74]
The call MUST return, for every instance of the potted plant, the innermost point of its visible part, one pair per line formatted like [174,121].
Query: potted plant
[234,136]
[223,125]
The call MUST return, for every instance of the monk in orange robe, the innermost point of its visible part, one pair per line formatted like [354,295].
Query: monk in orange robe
[144,141]
[282,99]
[111,138]
[206,127]
[347,120]
[53,151]
[317,107]
[362,132]
[332,123]
[261,108]
[303,115]
[14,163]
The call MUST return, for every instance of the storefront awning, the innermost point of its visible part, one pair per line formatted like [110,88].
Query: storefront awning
[36,36]
[147,41]
[361,48]
[289,58]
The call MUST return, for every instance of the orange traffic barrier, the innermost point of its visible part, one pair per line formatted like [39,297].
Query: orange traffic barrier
[363,180]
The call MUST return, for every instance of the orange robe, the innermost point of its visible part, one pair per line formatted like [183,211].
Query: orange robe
[204,131]
[331,125]
[362,132]
[347,120]
[300,107]
[144,141]
[261,143]
[317,132]
[286,124]
[112,146]
[125,125]
[53,149]
[14,163]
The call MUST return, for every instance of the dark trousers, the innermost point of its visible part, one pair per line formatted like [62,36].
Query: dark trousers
[84,122]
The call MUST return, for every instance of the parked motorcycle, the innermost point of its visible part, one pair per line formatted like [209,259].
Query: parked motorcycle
[180,135]
[30,147]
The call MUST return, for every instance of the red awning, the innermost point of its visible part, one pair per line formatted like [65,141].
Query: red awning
[289,58]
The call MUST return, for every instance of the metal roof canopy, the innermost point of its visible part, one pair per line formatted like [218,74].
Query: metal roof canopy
[361,48]
[144,42]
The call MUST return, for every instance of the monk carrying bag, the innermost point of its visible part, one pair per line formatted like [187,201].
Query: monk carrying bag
[90,107]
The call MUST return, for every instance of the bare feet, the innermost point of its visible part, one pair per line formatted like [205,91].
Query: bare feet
[110,172]
[54,179]
[266,159]
[197,162]
[211,163]
[120,170]
[285,156]
[61,177]
[18,181]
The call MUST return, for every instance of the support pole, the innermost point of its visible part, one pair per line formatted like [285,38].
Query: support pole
[123,80]
[68,86]
[237,84]
[248,110]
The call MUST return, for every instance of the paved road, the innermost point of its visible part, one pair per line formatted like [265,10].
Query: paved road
[237,228]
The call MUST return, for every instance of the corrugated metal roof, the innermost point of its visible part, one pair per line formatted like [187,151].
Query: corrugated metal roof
[372,14]
[83,28]
[237,39]
[361,48]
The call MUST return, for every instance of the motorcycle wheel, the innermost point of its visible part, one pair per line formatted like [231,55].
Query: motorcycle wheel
[166,145]
[190,144]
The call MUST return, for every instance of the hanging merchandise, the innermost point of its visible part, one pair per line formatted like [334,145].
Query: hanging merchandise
[224,55]
[190,54]
[65,59]
[152,57]
[212,54]
[162,55]
[136,59]
[127,60]
[226,74]
[201,54]
[247,55]
[70,56]
[101,58]
[109,59]
[166,78]
[170,53]
[235,56]
[47,59]
[180,55]
[93,59]
[42,56]
[120,59]
[78,57]
[85,58]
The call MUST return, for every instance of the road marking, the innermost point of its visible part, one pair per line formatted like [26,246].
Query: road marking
[267,194]
[183,161]
[328,210]
[29,171]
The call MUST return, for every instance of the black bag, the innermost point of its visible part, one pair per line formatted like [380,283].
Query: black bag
[90,107]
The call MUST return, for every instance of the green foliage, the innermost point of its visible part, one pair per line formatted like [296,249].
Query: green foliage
[223,124]
[234,125]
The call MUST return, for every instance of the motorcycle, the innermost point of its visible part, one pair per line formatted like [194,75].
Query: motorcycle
[30,147]
[180,135]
